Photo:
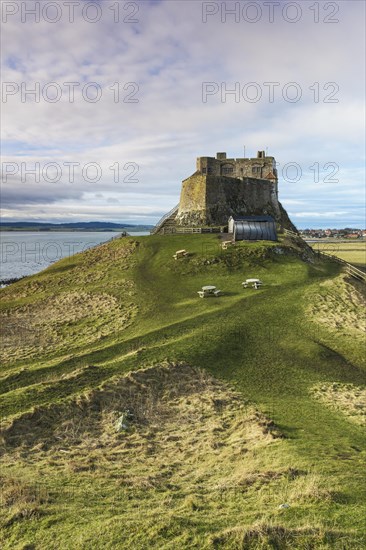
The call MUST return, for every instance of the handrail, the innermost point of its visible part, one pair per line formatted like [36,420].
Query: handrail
[352,270]
[162,220]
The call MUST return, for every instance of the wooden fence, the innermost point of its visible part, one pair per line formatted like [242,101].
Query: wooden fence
[175,230]
[350,269]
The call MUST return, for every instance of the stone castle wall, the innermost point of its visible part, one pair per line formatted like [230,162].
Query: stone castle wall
[192,204]
[213,193]
[210,200]
[259,167]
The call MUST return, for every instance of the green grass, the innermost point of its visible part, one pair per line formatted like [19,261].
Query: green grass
[201,465]
[353,252]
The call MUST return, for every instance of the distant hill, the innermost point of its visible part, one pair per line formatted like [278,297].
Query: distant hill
[74,226]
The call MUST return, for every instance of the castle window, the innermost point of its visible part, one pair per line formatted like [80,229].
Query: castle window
[204,170]
[256,170]
[227,170]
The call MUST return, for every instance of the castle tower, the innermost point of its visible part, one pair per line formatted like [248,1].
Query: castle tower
[222,187]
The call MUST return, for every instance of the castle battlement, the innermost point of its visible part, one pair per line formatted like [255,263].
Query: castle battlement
[260,167]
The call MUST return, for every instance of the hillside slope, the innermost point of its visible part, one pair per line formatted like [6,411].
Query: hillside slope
[135,414]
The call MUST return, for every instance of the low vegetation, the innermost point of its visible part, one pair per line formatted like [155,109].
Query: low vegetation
[353,252]
[346,398]
[339,303]
[137,415]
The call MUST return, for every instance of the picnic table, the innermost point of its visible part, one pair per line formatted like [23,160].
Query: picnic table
[226,244]
[209,290]
[255,283]
[180,254]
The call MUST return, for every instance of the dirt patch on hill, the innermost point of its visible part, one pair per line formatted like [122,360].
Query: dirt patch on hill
[165,442]
[157,399]
[262,536]
[339,304]
[346,398]
[60,321]
[162,426]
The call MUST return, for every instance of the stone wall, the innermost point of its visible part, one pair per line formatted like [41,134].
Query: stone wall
[192,204]
[237,168]
[211,200]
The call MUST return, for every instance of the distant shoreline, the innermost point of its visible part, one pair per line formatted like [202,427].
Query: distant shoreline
[66,230]
[331,240]
[70,230]
[92,226]
[6,282]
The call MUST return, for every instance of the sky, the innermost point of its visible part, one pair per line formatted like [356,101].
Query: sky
[106,104]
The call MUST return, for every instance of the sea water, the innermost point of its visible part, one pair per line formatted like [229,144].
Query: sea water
[26,253]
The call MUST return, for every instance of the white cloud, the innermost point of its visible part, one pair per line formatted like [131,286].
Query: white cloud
[319,214]
[169,54]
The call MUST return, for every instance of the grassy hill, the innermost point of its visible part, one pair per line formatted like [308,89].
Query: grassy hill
[137,415]
[353,252]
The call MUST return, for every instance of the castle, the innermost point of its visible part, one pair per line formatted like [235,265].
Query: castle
[222,187]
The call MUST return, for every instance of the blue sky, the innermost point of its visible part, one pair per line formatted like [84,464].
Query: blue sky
[161,57]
